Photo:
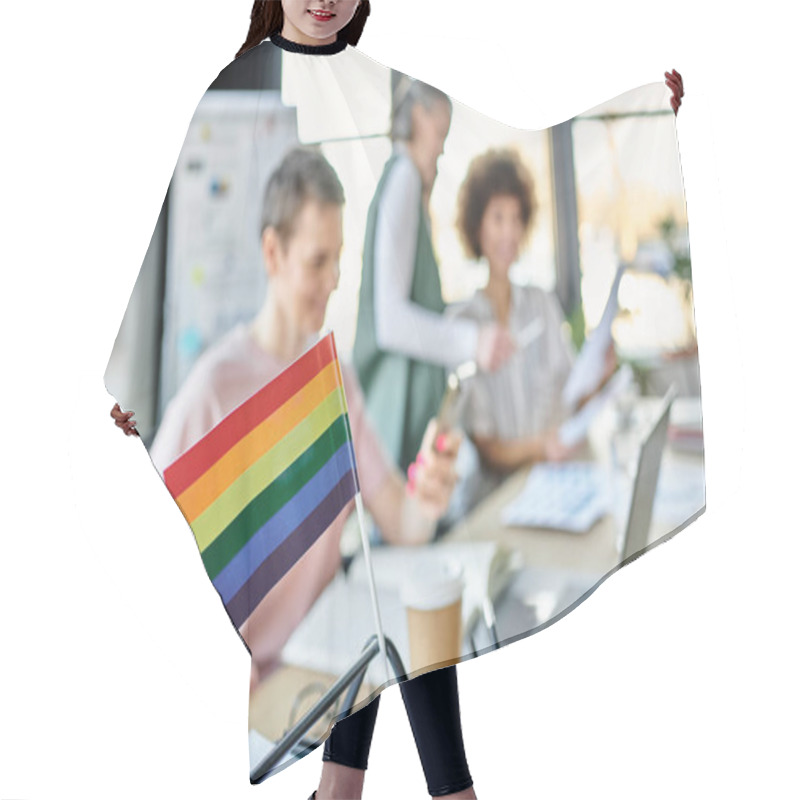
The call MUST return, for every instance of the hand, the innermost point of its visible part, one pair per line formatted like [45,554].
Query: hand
[554,449]
[432,476]
[124,420]
[610,364]
[675,82]
[495,347]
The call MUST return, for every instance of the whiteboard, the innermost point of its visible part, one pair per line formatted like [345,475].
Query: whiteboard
[215,275]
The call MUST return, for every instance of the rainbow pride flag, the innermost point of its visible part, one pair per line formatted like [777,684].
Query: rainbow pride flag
[264,484]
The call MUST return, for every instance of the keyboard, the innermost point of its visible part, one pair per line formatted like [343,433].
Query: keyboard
[569,497]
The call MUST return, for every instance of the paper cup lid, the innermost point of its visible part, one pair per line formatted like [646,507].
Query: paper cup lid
[435,584]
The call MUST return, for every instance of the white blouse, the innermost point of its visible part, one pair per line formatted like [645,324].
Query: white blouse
[402,326]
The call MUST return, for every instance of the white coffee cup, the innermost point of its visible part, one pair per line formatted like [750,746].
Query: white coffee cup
[432,597]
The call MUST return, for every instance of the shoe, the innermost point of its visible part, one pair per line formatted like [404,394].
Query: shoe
[313,795]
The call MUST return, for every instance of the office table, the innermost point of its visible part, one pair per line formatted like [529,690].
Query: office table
[560,568]
[557,571]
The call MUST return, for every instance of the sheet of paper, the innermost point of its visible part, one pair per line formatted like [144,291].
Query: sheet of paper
[587,371]
[576,428]
[333,633]
[259,747]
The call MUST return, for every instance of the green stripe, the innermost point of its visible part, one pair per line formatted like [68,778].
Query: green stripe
[234,499]
[272,498]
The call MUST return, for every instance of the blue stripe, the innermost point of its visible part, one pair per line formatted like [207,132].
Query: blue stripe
[279,527]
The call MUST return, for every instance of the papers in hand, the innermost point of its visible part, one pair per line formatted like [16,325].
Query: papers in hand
[587,371]
[576,428]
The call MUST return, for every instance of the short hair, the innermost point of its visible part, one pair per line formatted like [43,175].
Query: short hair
[492,174]
[304,174]
[412,93]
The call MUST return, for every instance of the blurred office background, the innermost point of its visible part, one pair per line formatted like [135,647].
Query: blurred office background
[603,198]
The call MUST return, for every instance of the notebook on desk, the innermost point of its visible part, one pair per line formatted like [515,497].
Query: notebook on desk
[573,496]
[635,535]
[553,591]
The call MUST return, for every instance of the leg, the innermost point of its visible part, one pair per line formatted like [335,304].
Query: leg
[435,716]
[344,759]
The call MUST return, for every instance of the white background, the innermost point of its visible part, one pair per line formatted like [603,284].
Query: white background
[121,676]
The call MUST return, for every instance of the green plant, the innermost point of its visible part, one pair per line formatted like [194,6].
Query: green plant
[683,264]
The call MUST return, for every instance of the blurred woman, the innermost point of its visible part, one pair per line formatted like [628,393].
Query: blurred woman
[301,242]
[512,415]
[403,340]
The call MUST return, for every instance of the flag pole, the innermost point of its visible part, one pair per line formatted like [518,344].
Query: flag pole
[360,511]
[361,523]
[371,580]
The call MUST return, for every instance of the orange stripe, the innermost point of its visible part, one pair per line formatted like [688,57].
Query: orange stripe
[180,475]
[212,483]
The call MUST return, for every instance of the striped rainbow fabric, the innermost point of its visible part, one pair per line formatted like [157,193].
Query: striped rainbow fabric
[264,484]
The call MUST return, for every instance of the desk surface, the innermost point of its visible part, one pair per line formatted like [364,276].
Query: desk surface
[272,702]
[594,552]
[559,569]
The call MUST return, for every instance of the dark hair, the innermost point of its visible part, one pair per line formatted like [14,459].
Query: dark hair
[304,174]
[266,19]
[495,173]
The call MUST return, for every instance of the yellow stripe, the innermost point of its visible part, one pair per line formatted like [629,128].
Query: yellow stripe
[219,476]
[340,378]
[236,497]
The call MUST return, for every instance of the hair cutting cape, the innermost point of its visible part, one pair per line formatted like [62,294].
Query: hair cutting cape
[265,457]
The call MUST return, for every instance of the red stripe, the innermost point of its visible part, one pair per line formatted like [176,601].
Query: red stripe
[198,459]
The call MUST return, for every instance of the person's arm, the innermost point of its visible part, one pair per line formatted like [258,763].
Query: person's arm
[400,325]
[610,365]
[506,455]
[560,354]
[406,513]
[404,518]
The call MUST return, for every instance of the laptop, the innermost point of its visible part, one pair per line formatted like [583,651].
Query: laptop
[640,514]
[554,592]
[572,496]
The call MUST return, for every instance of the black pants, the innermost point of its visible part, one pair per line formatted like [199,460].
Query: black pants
[431,701]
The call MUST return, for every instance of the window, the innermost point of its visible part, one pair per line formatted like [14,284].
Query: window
[631,209]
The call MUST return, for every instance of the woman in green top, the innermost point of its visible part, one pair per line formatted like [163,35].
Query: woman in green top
[403,343]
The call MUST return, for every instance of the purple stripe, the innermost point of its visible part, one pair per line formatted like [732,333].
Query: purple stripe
[290,551]
[280,526]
